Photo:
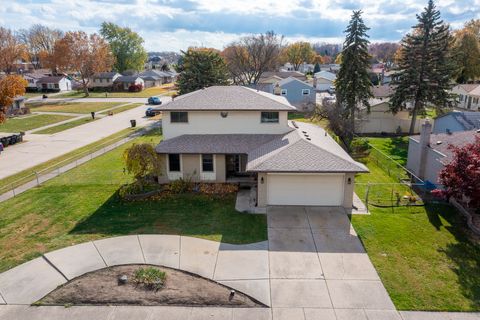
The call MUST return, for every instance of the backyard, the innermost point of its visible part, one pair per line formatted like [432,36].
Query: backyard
[82,205]
[30,122]
[426,258]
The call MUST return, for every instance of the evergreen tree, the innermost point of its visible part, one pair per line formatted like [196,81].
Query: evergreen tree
[425,66]
[316,68]
[200,68]
[353,82]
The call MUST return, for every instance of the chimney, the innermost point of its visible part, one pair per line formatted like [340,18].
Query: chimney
[425,132]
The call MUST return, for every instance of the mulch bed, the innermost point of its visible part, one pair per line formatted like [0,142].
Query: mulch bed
[180,289]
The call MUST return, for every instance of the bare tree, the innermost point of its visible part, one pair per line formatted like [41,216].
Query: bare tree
[249,57]
[39,41]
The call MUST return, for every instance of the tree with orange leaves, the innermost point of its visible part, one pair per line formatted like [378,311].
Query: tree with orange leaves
[11,50]
[10,87]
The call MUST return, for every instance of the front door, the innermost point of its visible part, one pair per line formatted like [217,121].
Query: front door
[235,165]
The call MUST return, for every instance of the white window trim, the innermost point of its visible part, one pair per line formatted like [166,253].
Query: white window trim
[208,175]
[307,92]
[175,175]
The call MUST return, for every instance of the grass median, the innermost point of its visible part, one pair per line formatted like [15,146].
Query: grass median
[30,122]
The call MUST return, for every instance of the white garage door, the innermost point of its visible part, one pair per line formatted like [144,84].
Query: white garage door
[305,190]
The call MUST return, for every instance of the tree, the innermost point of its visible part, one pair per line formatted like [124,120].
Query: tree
[473,26]
[10,87]
[384,52]
[467,56]
[39,41]
[353,82]
[200,68]
[85,54]
[461,177]
[298,53]
[126,45]
[316,68]
[425,68]
[251,56]
[142,161]
[11,50]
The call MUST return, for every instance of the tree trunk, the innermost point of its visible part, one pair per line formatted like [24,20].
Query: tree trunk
[414,119]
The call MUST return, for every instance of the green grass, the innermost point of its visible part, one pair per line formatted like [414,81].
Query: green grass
[396,148]
[124,108]
[32,94]
[29,122]
[66,126]
[26,175]
[74,107]
[155,91]
[82,205]
[302,117]
[422,254]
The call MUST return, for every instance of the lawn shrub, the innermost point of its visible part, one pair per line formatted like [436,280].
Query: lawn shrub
[150,278]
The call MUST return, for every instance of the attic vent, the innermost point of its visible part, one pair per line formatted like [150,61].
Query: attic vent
[478,131]
[304,132]
[224,114]
[295,124]
[438,142]
[309,139]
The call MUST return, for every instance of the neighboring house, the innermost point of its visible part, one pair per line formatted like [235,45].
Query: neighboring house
[387,77]
[155,78]
[298,93]
[324,80]
[17,107]
[287,67]
[104,80]
[283,75]
[306,67]
[333,67]
[457,121]
[468,96]
[32,79]
[429,153]
[125,82]
[232,133]
[54,84]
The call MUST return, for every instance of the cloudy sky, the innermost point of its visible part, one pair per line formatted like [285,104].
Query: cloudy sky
[175,25]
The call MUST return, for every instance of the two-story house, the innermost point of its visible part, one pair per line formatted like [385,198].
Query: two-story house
[104,80]
[230,133]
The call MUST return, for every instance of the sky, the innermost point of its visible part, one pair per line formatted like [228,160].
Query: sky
[170,25]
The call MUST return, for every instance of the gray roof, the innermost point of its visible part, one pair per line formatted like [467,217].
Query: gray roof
[289,152]
[228,98]
[382,91]
[468,120]
[153,75]
[442,141]
[292,79]
[127,78]
[326,75]
[283,75]
[105,75]
[50,79]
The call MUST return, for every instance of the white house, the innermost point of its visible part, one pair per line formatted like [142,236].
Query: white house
[324,80]
[54,83]
[104,79]
[428,153]
[468,96]
[233,133]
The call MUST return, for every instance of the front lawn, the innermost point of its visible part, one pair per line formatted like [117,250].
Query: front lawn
[73,107]
[29,122]
[149,92]
[65,126]
[423,254]
[82,205]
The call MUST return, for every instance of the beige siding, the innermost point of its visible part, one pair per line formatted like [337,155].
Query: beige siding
[211,122]
[348,190]
[191,166]
[220,167]
[262,190]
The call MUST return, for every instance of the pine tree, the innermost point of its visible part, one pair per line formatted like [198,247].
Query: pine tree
[316,68]
[425,66]
[353,82]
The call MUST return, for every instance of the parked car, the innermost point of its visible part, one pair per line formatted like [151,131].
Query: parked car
[151,112]
[154,100]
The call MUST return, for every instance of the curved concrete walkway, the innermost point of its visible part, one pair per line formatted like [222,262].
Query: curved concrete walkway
[312,267]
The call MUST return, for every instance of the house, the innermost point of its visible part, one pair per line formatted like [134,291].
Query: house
[18,107]
[468,96]
[324,80]
[282,74]
[233,133]
[380,119]
[306,67]
[457,121]
[128,82]
[155,78]
[332,67]
[54,84]
[428,153]
[104,80]
[32,79]
[298,93]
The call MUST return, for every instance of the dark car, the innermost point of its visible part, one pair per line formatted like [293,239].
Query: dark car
[154,100]
[151,112]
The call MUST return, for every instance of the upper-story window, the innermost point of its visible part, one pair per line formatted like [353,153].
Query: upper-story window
[269,117]
[178,117]
[305,92]
[283,92]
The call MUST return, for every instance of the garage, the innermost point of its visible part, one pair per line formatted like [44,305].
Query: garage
[305,190]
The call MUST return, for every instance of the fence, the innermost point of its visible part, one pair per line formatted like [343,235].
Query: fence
[38,177]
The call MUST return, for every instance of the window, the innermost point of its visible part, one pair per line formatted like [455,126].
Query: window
[475,100]
[207,162]
[178,117]
[174,162]
[305,92]
[269,117]
[283,92]
[56,86]
[460,97]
